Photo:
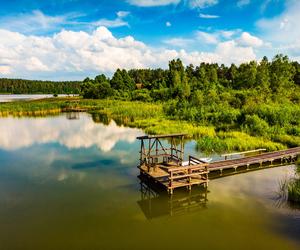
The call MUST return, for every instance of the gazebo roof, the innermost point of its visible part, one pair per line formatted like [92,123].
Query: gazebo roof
[160,136]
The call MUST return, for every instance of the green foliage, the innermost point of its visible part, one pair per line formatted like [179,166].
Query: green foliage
[294,191]
[20,86]
[96,89]
[141,95]
[122,81]
[255,125]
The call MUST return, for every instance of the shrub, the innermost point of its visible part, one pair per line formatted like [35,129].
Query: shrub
[255,125]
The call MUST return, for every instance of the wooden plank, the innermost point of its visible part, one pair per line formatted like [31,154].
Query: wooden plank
[177,184]
[200,166]
[244,152]
[188,175]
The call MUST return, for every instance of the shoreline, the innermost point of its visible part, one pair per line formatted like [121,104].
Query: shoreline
[148,116]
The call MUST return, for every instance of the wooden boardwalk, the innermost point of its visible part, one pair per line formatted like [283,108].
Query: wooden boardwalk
[277,157]
[165,165]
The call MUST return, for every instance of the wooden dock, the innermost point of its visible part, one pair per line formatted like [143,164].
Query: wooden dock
[165,166]
[261,160]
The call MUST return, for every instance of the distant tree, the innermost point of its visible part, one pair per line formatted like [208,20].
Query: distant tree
[263,75]
[282,74]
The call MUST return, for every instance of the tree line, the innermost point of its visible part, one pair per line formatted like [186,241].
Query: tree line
[278,77]
[260,98]
[20,86]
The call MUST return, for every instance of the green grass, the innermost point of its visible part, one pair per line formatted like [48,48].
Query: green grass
[235,141]
[151,118]
[293,188]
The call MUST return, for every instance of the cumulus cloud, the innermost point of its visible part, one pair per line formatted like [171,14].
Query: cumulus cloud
[209,38]
[76,53]
[168,24]
[248,40]
[178,42]
[230,51]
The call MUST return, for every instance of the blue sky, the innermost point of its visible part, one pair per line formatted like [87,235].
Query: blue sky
[72,39]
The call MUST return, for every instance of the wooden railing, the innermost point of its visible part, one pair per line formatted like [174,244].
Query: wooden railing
[185,174]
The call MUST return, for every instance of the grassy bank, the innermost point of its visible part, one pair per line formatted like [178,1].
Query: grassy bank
[148,116]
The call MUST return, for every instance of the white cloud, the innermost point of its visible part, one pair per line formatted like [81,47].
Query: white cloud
[36,21]
[118,22]
[242,3]
[77,54]
[230,51]
[123,13]
[207,16]
[209,38]
[179,42]
[248,40]
[202,3]
[168,24]
[5,70]
[282,30]
[228,33]
[152,3]
[190,3]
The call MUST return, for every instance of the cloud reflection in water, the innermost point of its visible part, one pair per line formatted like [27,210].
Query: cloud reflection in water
[73,134]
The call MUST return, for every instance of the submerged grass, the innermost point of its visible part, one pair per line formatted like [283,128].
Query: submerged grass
[148,116]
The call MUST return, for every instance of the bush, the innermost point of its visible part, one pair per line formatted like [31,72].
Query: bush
[141,95]
[255,125]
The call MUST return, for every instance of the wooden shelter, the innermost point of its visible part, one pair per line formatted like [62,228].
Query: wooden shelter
[154,152]
[164,164]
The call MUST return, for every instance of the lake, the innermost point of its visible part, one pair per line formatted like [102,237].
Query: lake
[67,182]
[24,97]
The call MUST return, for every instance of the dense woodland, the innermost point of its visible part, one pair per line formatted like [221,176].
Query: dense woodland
[259,98]
[19,86]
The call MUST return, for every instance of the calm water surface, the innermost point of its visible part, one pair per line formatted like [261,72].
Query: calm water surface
[11,98]
[71,183]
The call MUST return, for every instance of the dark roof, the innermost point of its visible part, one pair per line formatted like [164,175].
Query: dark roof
[160,136]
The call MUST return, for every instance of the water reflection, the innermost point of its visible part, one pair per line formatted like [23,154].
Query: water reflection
[73,115]
[77,131]
[57,183]
[155,202]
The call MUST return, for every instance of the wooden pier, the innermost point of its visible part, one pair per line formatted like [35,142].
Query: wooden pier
[165,164]
[260,161]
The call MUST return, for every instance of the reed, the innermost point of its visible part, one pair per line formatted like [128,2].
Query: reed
[293,188]
[235,141]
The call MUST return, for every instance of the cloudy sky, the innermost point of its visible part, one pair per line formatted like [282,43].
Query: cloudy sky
[72,39]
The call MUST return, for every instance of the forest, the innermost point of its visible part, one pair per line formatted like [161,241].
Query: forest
[20,86]
[258,98]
